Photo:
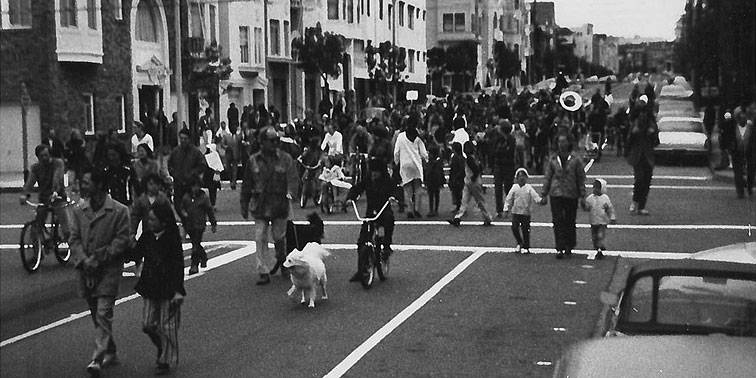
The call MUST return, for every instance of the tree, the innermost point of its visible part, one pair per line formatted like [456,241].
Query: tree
[320,53]
[462,58]
[386,62]
[436,61]
[506,61]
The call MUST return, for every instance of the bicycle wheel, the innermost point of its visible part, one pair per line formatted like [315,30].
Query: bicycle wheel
[62,254]
[368,268]
[31,247]
[382,265]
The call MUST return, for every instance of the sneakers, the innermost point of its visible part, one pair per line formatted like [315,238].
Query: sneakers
[193,269]
[643,212]
[486,223]
[560,255]
[599,255]
[162,369]
[454,222]
[568,253]
[526,251]
[110,359]
[264,279]
[203,263]
[499,215]
[94,368]
[518,249]
[633,207]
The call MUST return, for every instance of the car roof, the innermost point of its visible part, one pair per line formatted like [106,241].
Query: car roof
[744,252]
[680,119]
[689,264]
[671,356]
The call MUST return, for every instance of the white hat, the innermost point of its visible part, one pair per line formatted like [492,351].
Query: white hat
[643,98]
[523,170]
[728,116]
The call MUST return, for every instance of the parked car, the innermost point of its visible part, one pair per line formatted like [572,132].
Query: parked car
[660,356]
[682,137]
[670,107]
[684,297]
[744,253]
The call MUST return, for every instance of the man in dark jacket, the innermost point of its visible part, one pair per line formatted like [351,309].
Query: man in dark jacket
[233,118]
[739,140]
[503,163]
[99,237]
[185,164]
[270,182]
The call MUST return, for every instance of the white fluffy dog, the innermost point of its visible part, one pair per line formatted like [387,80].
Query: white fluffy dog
[307,271]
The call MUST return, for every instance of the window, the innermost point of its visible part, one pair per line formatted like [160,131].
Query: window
[212,23]
[196,26]
[68,13]
[350,11]
[411,61]
[641,300]
[275,37]
[118,9]
[459,22]
[244,44]
[400,12]
[258,45]
[359,53]
[368,8]
[389,16]
[92,14]
[121,103]
[359,11]
[448,22]
[287,43]
[19,12]
[423,15]
[146,29]
[89,127]
[517,4]
[380,9]
[333,9]
[410,17]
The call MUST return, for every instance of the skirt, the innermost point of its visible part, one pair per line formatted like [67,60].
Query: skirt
[161,322]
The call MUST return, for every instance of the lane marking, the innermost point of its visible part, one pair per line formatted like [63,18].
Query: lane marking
[212,263]
[579,282]
[400,318]
[544,363]
[560,329]
[731,227]
[570,303]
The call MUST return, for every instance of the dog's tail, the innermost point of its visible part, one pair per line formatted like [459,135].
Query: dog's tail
[316,250]
[317,223]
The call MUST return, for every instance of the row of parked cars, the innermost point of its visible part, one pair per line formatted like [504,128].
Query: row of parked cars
[681,131]
[693,317]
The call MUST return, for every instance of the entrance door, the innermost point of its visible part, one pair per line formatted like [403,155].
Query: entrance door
[150,103]
[279,98]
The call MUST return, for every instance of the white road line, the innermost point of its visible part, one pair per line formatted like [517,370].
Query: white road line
[731,227]
[401,317]
[212,263]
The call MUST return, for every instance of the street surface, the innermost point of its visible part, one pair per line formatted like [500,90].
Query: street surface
[457,302]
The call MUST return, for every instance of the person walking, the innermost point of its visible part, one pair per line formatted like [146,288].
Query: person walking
[233,117]
[504,149]
[144,165]
[473,189]
[99,238]
[270,182]
[185,164]
[161,284]
[739,140]
[434,180]
[564,183]
[643,137]
[211,177]
[196,210]
[119,175]
[456,175]
[230,141]
[520,201]
[409,155]
[140,136]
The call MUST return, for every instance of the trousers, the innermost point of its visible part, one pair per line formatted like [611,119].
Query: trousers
[263,257]
[563,213]
[101,310]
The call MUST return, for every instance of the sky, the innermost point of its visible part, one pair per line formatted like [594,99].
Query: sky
[622,18]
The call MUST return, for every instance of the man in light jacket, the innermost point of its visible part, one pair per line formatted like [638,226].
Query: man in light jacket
[99,237]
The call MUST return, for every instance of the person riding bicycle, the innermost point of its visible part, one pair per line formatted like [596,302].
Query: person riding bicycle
[48,174]
[379,188]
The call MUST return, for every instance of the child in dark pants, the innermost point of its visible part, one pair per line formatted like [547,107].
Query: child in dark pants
[434,180]
[520,201]
[196,210]
[602,213]
[457,175]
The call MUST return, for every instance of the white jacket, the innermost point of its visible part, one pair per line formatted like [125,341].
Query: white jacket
[601,208]
[520,199]
[410,157]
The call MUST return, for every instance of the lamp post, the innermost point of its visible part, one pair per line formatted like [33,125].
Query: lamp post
[177,72]
[25,102]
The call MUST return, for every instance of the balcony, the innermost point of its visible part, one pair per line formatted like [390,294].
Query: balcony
[78,35]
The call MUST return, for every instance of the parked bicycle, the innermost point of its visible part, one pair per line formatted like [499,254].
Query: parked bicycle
[310,184]
[373,259]
[39,238]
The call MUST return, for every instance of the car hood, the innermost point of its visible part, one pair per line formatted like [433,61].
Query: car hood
[682,139]
[740,252]
[672,356]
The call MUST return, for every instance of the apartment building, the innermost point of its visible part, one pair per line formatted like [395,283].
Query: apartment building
[362,21]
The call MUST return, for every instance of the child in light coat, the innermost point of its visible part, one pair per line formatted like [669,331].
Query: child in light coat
[519,202]
[602,213]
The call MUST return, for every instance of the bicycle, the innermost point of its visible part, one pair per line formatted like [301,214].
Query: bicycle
[310,187]
[39,238]
[373,259]
[358,166]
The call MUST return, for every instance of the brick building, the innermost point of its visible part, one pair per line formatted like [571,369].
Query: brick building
[75,62]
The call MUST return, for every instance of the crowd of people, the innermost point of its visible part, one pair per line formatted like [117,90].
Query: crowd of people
[134,194]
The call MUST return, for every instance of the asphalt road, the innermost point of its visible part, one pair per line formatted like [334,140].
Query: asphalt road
[450,308]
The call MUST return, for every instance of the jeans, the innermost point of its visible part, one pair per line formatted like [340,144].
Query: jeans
[473,191]
[413,194]
[743,164]
[643,172]
[598,233]
[521,223]
[198,252]
[503,180]
[434,195]
[563,213]
[263,255]
[101,310]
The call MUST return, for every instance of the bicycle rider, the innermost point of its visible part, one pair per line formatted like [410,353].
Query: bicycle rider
[47,172]
[379,188]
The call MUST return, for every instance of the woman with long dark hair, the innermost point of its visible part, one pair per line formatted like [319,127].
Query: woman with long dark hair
[161,284]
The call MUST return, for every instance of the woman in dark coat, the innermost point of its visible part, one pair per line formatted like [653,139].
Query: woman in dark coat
[643,137]
[161,284]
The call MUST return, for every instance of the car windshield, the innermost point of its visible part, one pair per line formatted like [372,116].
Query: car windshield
[680,124]
[726,305]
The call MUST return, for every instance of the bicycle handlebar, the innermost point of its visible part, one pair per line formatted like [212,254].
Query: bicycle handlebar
[373,219]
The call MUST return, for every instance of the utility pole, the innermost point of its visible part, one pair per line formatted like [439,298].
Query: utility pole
[177,72]
[25,102]
[394,50]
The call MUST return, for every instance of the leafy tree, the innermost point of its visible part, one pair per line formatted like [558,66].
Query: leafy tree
[386,62]
[320,53]
[462,58]
[436,61]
